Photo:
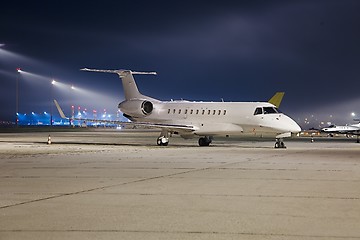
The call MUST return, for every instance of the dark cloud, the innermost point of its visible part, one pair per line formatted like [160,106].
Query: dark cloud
[244,50]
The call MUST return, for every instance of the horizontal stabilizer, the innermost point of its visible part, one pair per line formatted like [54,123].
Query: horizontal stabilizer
[120,71]
[131,90]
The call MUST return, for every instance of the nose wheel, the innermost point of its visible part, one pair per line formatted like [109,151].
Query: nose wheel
[280,143]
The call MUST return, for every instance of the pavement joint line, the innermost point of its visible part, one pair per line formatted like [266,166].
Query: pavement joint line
[100,188]
[126,183]
[236,195]
[239,178]
[179,232]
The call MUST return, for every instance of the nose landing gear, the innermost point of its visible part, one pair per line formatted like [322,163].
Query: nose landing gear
[280,143]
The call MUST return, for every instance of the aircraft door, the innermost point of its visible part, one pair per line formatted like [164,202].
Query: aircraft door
[258,117]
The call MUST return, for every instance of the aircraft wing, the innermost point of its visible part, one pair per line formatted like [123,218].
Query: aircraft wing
[170,127]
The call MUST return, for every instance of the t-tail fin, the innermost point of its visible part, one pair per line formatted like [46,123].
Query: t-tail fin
[130,88]
[277,98]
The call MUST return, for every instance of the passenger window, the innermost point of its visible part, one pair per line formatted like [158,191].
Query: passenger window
[219,112]
[209,112]
[197,111]
[214,112]
[203,112]
[258,111]
[179,111]
[191,111]
[186,111]
[224,112]
[169,111]
[174,111]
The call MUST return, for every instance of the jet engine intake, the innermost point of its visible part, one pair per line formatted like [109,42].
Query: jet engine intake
[136,107]
[147,107]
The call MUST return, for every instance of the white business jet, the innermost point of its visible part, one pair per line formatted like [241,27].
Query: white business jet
[353,129]
[203,119]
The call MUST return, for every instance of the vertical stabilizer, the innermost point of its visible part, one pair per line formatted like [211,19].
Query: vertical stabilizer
[277,98]
[131,90]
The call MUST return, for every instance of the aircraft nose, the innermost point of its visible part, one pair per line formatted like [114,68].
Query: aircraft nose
[293,126]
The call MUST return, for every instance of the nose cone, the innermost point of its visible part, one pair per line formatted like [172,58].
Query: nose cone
[292,126]
[286,124]
[295,128]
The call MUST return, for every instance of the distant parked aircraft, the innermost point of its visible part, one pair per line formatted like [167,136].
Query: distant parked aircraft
[353,129]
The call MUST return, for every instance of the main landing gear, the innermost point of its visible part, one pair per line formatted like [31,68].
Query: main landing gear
[280,143]
[205,141]
[163,140]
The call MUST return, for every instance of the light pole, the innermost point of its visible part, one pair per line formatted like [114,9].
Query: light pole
[17,97]
[72,123]
[53,82]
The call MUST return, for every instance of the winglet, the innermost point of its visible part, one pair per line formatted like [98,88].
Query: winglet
[277,98]
[62,115]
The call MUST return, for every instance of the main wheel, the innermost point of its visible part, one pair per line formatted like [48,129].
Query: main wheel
[204,141]
[162,141]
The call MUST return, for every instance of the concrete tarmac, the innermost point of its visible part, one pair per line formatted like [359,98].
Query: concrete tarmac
[120,185]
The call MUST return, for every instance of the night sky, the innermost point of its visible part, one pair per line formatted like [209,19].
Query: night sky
[238,51]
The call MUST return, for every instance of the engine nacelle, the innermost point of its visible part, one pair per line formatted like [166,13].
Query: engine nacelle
[136,108]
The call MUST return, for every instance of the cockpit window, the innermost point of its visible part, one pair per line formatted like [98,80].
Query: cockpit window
[266,110]
[270,110]
[258,111]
